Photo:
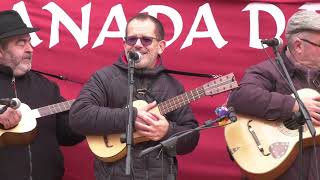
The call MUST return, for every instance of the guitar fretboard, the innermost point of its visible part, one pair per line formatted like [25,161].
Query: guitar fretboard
[216,86]
[55,108]
[181,100]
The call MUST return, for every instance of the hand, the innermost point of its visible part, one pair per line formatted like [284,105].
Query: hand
[313,106]
[10,118]
[151,125]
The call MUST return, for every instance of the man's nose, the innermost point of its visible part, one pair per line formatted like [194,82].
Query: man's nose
[138,43]
[29,47]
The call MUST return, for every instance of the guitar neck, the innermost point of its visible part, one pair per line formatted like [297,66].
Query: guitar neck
[213,87]
[180,100]
[53,109]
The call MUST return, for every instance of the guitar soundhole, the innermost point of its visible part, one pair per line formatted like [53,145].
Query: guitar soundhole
[289,127]
[291,124]
[107,142]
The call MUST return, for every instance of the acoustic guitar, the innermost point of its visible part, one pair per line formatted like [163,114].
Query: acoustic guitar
[25,131]
[110,148]
[264,149]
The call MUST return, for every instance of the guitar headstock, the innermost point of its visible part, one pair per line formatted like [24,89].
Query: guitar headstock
[221,84]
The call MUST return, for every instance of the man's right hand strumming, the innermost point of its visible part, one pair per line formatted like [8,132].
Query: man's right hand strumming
[10,118]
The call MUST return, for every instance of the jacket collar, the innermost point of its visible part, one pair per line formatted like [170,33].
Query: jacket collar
[6,70]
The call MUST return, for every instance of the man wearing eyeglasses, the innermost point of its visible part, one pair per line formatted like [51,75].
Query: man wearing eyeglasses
[264,93]
[101,108]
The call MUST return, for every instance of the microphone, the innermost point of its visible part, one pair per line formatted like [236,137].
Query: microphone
[221,111]
[274,42]
[232,114]
[134,56]
[228,113]
[14,103]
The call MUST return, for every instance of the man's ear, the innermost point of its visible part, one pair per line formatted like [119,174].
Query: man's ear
[162,46]
[298,45]
[1,52]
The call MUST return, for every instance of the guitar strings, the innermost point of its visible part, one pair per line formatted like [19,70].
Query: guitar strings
[170,104]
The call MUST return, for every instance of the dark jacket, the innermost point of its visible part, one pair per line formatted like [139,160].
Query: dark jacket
[264,93]
[100,110]
[42,159]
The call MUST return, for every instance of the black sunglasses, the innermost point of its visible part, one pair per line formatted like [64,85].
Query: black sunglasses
[312,43]
[145,40]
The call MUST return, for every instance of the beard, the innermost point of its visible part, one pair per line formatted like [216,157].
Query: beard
[23,67]
[19,65]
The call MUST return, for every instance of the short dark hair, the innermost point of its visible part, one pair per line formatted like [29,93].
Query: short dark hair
[159,27]
[4,43]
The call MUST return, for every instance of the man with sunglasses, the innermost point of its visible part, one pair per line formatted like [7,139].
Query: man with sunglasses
[264,93]
[101,108]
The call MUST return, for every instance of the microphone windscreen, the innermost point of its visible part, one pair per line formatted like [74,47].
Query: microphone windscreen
[134,56]
[221,111]
[16,103]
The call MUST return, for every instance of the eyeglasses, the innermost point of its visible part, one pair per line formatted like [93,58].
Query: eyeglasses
[145,40]
[312,43]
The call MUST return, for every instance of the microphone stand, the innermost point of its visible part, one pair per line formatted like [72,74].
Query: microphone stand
[169,144]
[129,134]
[304,116]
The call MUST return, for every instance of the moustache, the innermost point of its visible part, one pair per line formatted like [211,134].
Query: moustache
[29,56]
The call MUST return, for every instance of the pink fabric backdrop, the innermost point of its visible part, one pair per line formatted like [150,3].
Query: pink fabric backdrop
[233,53]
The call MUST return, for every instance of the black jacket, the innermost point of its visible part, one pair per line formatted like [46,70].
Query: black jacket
[42,159]
[100,110]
